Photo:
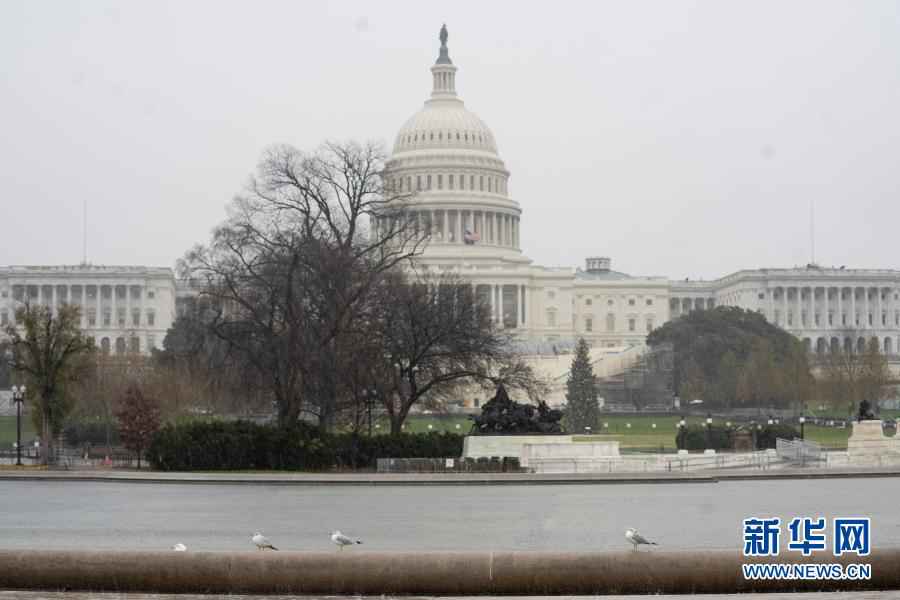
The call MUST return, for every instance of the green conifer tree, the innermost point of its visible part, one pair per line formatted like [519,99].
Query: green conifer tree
[581,392]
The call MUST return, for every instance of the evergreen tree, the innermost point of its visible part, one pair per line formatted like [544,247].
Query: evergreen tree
[581,392]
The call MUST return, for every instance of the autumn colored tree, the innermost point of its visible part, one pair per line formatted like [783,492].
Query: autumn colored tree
[139,420]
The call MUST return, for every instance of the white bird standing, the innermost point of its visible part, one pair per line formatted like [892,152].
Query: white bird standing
[262,542]
[179,547]
[342,540]
[637,539]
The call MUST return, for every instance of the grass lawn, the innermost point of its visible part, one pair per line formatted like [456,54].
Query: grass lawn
[633,432]
[8,431]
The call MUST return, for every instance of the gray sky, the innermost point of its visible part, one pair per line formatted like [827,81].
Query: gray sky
[683,139]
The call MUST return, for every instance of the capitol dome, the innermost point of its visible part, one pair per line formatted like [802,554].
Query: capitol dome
[445,123]
[445,158]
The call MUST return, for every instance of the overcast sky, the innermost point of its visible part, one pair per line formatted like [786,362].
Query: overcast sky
[684,139]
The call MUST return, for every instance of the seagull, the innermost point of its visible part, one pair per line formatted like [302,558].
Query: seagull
[262,542]
[179,547]
[342,540]
[635,538]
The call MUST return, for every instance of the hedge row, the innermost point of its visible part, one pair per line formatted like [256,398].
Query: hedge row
[722,438]
[242,445]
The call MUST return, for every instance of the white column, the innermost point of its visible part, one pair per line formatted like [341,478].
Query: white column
[812,307]
[784,306]
[492,303]
[771,293]
[840,309]
[825,312]
[519,305]
[459,227]
[99,316]
[852,318]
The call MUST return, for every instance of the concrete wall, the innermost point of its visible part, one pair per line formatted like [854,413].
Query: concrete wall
[476,446]
[439,573]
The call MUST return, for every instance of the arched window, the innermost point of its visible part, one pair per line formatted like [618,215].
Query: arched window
[481,183]
[450,181]
[419,182]
[428,184]
[462,182]
[471,182]
[610,322]
[104,345]
[440,179]
[120,345]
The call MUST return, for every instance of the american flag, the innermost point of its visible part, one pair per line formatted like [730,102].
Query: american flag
[470,237]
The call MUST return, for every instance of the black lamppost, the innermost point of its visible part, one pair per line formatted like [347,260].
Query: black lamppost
[681,433]
[802,423]
[18,394]
[708,429]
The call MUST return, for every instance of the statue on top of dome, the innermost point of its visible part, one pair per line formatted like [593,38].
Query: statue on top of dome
[444,57]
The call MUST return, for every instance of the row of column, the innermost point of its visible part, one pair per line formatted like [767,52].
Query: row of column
[798,304]
[484,227]
[82,299]
[498,294]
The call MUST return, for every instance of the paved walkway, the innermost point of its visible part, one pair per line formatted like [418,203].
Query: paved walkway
[293,478]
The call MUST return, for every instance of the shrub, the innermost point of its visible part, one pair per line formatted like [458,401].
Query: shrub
[241,445]
[765,437]
[80,433]
[695,438]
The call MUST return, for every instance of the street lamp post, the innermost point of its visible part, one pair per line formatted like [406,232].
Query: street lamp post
[802,423]
[681,432]
[708,429]
[18,394]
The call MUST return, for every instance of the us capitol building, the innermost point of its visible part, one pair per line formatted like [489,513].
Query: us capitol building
[449,159]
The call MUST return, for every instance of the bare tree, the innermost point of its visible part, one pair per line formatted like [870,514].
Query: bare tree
[49,349]
[433,336]
[287,273]
[850,373]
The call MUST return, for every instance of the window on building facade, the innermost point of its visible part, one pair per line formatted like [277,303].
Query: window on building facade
[551,318]
[884,318]
[92,318]
[151,294]
[761,296]
[481,183]
[610,322]
[428,183]
[816,319]
[107,318]
[418,183]
[610,302]
[630,324]
[649,325]
[135,343]
[790,319]
[471,182]
[551,294]
[440,182]
[870,318]
[450,181]
[151,318]
[831,318]
[589,324]
[151,342]
[649,301]
[631,302]
[588,302]
[136,318]
[104,345]
[120,317]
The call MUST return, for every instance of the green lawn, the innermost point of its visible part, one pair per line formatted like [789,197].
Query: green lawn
[8,431]
[633,432]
